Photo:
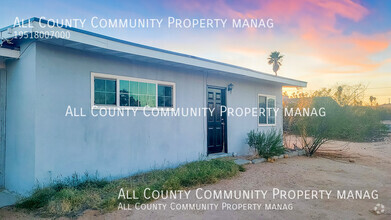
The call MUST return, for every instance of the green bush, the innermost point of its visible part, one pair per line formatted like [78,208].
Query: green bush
[384,112]
[73,195]
[267,144]
[358,123]
[349,123]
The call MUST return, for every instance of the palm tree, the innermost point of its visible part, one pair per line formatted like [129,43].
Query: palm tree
[372,99]
[338,95]
[275,58]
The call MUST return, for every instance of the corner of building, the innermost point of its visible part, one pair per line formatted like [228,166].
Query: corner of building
[20,110]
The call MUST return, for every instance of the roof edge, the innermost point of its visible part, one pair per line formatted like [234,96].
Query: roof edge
[288,81]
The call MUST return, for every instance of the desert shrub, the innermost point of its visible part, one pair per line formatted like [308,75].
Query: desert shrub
[38,199]
[384,112]
[358,124]
[316,130]
[349,123]
[348,118]
[73,195]
[267,144]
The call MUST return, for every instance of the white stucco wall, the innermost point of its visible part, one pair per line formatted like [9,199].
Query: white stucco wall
[59,146]
[20,121]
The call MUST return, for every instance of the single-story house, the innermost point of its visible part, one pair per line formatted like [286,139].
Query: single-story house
[51,88]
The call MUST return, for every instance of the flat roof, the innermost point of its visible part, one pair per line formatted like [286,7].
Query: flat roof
[109,45]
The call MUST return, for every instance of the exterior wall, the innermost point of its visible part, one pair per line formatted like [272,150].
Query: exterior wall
[245,94]
[20,120]
[112,146]
[3,92]
[121,146]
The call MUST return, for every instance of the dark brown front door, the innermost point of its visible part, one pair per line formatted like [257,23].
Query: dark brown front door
[217,122]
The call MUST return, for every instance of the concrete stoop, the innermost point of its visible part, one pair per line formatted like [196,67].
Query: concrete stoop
[217,155]
[242,161]
[261,160]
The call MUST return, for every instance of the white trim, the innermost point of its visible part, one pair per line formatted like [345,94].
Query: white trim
[118,78]
[8,53]
[275,103]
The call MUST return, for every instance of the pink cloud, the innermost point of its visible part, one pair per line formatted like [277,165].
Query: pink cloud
[314,25]
[285,12]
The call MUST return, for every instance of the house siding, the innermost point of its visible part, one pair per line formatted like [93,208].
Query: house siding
[3,92]
[121,146]
[20,121]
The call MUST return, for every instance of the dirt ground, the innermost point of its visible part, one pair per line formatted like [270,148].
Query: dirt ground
[339,166]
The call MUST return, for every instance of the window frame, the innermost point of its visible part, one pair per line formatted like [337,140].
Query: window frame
[115,92]
[157,96]
[117,78]
[267,105]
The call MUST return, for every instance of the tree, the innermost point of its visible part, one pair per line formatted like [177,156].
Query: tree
[338,94]
[372,99]
[275,58]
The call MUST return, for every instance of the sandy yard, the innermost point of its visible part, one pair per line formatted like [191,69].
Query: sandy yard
[340,166]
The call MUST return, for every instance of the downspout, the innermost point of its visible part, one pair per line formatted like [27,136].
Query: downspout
[3,104]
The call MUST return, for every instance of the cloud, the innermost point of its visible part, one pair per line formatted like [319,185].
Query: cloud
[286,12]
[313,24]
[348,53]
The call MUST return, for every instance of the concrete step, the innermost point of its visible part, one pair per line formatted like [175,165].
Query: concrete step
[242,161]
[217,155]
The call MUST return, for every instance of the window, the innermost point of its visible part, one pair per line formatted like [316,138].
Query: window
[110,90]
[137,94]
[164,96]
[262,105]
[271,103]
[105,91]
[266,104]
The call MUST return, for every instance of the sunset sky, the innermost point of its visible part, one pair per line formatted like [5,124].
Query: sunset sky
[325,42]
